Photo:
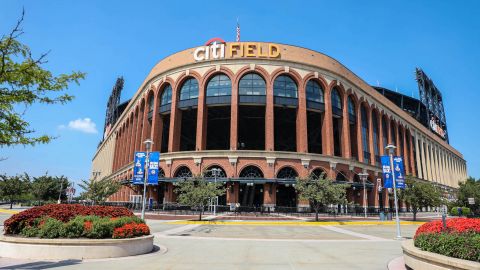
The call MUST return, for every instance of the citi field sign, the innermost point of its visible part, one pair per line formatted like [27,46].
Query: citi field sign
[217,48]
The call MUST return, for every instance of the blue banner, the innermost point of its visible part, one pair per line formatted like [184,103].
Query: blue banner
[387,172]
[398,169]
[139,168]
[153,166]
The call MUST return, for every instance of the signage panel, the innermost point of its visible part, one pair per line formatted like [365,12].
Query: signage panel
[398,169]
[139,168]
[153,166]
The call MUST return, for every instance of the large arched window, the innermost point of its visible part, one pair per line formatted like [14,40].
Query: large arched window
[166,95]
[352,119]
[150,104]
[385,132]
[365,136]
[252,84]
[214,171]
[189,89]
[287,173]
[284,86]
[183,172]
[318,173]
[251,172]
[219,85]
[336,101]
[375,137]
[314,91]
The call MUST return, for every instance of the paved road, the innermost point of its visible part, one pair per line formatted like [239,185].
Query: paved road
[251,247]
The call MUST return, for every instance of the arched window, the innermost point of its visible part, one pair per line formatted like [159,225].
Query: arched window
[317,173]
[314,91]
[166,95]
[287,173]
[183,172]
[375,137]
[284,86]
[161,173]
[341,177]
[352,119]
[336,100]
[252,84]
[215,169]
[385,132]
[251,172]
[393,131]
[219,85]
[189,89]
[150,103]
[365,136]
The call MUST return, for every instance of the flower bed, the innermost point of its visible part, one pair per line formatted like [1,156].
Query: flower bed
[460,239]
[76,221]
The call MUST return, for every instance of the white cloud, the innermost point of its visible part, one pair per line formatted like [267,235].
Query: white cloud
[85,125]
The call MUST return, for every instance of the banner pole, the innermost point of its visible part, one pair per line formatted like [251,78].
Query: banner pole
[397,219]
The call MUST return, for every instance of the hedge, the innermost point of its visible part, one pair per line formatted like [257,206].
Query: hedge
[460,239]
[465,211]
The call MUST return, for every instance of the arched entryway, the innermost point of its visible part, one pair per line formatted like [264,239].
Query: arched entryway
[286,194]
[251,193]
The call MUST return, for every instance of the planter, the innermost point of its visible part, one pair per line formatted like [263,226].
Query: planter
[418,259]
[63,249]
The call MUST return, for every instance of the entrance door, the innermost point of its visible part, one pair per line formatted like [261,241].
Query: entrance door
[251,195]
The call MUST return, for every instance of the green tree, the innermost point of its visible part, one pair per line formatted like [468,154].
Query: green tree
[98,191]
[14,188]
[48,188]
[23,82]
[419,194]
[469,189]
[320,192]
[196,192]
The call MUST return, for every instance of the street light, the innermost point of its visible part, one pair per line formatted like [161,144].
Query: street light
[148,144]
[215,172]
[390,149]
[363,176]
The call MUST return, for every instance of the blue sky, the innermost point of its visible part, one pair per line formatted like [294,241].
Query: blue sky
[378,40]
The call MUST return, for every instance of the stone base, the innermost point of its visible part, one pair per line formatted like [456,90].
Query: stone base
[418,259]
[79,249]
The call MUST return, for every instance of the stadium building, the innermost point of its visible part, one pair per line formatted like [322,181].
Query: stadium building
[264,114]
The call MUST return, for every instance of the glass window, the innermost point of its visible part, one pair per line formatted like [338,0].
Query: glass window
[150,103]
[375,133]
[351,107]
[385,132]
[219,85]
[189,89]
[314,91]
[336,100]
[252,84]
[365,142]
[284,86]
[166,95]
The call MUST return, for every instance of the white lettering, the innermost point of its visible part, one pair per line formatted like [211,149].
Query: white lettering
[196,54]
[214,47]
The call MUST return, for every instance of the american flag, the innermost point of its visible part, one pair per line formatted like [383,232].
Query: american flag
[238,32]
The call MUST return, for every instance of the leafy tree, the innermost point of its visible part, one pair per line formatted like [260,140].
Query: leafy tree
[197,192]
[469,189]
[99,190]
[47,188]
[14,188]
[320,192]
[419,194]
[23,82]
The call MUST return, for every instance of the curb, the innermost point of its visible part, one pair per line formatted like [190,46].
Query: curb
[294,223]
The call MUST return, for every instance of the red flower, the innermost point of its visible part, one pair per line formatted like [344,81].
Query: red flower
[131,230]
[454,225]
[87,226]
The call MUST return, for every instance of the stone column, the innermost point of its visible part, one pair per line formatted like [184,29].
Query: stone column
[202,120]
[347,152]
[157,124]
[406,155]
[175,122]
[371,148]
[269,120]
[302,136]
[269,195]
[327,127]
[234,117]
[359,133]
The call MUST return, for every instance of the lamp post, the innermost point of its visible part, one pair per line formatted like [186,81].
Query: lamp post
[390,148]
[215,172]
[148,143]
[363,176]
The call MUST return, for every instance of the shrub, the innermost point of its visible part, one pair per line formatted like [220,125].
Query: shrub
[62,212]
[465,211]
[460,239]
[51,228]
[131,230]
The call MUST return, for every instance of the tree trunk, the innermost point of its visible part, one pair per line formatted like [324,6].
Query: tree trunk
[11,204]
[200,216]
[414,210]
[316,213]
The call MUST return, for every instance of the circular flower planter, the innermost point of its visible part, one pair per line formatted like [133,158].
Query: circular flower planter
[62,249]
[418,259]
